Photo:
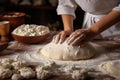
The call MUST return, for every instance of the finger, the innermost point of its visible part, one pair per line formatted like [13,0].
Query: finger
[62,38]
[57,38]
[73,37]
[53,40]
[78,40]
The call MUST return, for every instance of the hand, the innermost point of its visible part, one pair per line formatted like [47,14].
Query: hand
[60,37]
[81,36]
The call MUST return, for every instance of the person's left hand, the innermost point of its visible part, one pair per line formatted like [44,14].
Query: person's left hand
[80,36]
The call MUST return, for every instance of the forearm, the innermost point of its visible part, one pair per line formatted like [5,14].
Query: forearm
[107,21]
[67,22]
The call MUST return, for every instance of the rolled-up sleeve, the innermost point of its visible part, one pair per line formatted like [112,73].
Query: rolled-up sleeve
[117,8]
[66,7]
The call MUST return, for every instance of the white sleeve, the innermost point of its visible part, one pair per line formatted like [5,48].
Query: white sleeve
[117,8]
[66,7]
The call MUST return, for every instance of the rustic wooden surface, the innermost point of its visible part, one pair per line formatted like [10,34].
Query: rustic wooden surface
[60,76]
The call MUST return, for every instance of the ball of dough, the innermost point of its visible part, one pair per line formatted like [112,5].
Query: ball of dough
[41,67]
[67,52]
[27,72]
[48,66]
[2,67]
[17,77]
[69,68]
[79,74]
[5,73]
[19,64]
[111,67]
[6,63]
[7,60]
[51,64]
[43,74]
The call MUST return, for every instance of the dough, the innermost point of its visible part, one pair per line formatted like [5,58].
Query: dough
[40,67]
[67,52]
[79,74]
[5,73]
[27,73]
[111,67]
[17,77]
[7,60]
[48,66]
[6,63]
[69,68]
[51,64]
[31,30]
[19,64]
[43,74]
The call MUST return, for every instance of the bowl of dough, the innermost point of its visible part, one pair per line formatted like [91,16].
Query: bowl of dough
[30,33]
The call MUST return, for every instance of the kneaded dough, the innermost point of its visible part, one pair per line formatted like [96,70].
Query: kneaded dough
[111,67]
[79,74]
[6,63]
[5,73]
[27,72]
[69,68]
[7,60]
[16,77]
[48,66]
[67,52]
[43,74]
[19,64]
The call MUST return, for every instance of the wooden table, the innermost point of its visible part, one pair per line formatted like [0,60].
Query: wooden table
[16,49]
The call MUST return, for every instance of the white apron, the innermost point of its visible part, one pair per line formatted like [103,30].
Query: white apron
[113,32]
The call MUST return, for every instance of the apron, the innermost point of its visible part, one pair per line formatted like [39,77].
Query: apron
[112,33]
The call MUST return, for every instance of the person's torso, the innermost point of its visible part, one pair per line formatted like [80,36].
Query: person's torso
[97,6]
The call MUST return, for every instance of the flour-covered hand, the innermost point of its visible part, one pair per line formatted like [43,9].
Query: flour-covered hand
[80,36]
[61,36]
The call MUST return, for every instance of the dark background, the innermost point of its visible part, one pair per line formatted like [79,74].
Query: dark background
[41,15]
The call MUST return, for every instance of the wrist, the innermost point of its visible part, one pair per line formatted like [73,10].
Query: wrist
[68,28]
[68,31]
[92,32]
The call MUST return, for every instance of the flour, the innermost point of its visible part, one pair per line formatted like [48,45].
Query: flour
[28,53]
[31,30]
[34,58]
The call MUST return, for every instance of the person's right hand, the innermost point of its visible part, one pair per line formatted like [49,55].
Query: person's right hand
[61,36]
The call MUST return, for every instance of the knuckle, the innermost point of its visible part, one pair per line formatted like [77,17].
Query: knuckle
[54,37]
